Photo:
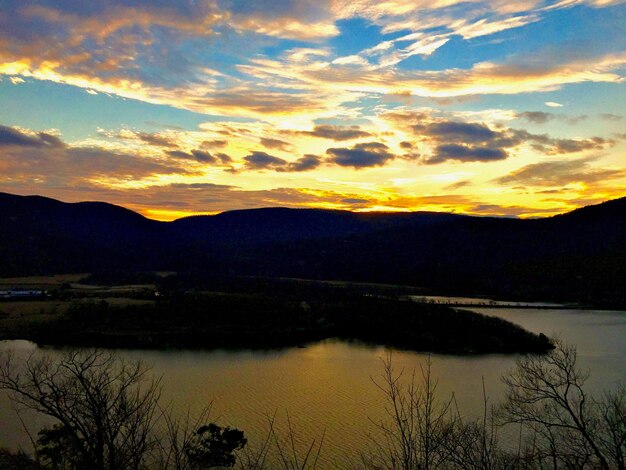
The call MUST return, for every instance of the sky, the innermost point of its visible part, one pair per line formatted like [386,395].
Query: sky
[173,108]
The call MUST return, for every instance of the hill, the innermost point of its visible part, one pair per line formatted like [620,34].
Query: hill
[578,256]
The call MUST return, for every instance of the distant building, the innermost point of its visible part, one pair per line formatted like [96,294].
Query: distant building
[22,294]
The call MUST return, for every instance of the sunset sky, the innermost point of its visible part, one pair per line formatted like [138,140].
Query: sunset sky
[506,107]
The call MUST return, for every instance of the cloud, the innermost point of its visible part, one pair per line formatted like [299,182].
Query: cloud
[611,117]
[224,158]
[458,185]
[69,166]
[14,137]
[305,163]
[337,133]
[540,117]
[553,104]
[197,155]
[554,146]
[208,144]
[275,144]
[38,158]
[355,202]
[154,139]
[463,141]
[473,142]
[464,153]
[362,155]
[149,51]
[263,161]
[535,117]
[457,131]
[560,173]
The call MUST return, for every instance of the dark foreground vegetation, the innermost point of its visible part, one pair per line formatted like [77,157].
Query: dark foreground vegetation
[107,415]
[272,314]
[575,257]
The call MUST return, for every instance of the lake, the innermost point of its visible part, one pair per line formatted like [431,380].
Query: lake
[328,386]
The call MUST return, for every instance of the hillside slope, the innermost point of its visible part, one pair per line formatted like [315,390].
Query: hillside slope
[580,255]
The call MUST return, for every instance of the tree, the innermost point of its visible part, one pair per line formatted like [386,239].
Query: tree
[104,408]
[419,424]
[215,447]
[570,427]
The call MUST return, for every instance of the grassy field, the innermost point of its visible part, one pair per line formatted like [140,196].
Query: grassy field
[65,290]
[40,282]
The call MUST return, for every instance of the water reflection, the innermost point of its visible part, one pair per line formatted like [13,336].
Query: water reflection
[328,385]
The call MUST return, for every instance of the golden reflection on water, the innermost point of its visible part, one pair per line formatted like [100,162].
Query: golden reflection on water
[327,387]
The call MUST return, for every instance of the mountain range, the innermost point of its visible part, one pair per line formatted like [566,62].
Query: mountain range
[578,256]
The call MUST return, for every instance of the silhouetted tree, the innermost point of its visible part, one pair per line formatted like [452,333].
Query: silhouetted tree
[104,407]
[418,425]
[570,427]
[215,447]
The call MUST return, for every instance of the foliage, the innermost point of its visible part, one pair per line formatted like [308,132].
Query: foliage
[16,461]
[215,447]
[281,319]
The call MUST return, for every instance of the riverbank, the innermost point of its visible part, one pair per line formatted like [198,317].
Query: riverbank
[263,319]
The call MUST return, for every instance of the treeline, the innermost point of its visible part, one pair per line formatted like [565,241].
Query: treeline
[260,319]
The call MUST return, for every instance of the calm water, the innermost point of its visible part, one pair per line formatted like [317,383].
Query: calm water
[328,386]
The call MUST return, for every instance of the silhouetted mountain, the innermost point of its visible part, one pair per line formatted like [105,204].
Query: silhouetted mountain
[42,235]
[579,256]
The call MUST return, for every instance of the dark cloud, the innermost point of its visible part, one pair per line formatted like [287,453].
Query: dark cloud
[458,185]
[465,153]
[75,166]
[305,163]
[204,157]
[560,173]
[275,144]
[44,158]
[14,137]
[551,146]
[466,141]
[462,141]
[406,145]
[336,133]
[541,117]
[155,139]
[573,146]
[149,138]
[263,161]
[536,117]
[354,200]
[208,144]
[106,39]
[464,132]
[197,155]
[223,158]
[363,155]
